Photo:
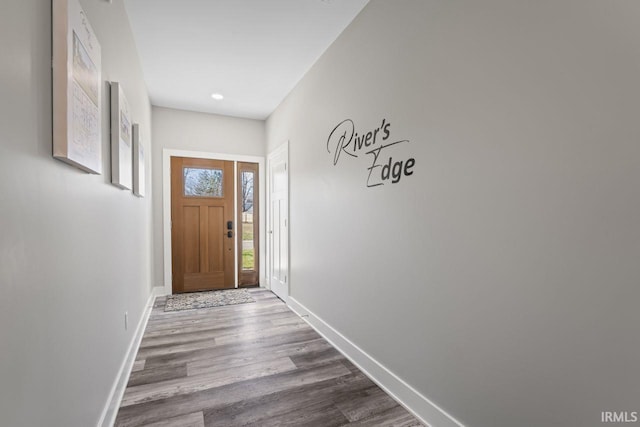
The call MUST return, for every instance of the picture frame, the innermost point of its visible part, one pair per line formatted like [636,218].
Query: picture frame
[139,184]
[121,139]
[77,83]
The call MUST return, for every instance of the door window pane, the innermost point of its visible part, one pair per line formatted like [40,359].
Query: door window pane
[202,182]
[248,243]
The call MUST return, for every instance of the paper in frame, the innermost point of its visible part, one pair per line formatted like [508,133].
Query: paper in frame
[121,139]
[77,94]
[138,163]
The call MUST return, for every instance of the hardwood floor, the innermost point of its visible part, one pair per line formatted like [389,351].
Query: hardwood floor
[255,364]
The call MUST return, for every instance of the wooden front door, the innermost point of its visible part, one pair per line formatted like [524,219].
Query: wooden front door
[202,237]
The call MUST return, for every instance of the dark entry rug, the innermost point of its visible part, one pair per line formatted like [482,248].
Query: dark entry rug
[207,299]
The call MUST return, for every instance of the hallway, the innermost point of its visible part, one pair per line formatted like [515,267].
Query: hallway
[247,364]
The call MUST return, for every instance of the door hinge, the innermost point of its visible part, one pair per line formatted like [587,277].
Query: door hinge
[285,279]
[285,166]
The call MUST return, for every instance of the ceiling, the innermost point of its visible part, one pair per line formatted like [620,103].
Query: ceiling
[253,52]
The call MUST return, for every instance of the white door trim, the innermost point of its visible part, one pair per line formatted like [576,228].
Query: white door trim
[284,147]
[166,204]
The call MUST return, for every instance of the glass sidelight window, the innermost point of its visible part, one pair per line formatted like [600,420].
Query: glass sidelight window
[248,243]
[248,222]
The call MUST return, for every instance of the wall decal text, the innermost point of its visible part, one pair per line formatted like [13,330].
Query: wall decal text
[345,140]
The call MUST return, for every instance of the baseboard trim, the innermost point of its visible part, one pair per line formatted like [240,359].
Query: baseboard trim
[159,291]
[424,409]
[110,411]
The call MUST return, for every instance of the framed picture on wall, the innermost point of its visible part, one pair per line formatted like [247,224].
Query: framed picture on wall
[138,163]
[121,139]
[77,137]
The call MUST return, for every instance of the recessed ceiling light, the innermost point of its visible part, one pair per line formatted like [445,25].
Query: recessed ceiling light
[217,96]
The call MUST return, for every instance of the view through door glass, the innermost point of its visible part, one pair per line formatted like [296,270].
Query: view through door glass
[248,215]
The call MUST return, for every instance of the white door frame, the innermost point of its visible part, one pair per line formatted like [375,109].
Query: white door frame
[277,151]
[166,205]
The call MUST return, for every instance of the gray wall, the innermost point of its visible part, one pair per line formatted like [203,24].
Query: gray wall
[201,132]
[74,249]
[501,278]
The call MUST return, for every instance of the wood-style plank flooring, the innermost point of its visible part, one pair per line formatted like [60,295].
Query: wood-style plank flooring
[255,364]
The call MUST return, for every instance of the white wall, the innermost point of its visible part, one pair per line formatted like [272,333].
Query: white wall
[74,249]
[198,132]
[501,279]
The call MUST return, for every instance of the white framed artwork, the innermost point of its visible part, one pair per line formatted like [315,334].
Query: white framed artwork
[77,94]
[121,139]
[138,163]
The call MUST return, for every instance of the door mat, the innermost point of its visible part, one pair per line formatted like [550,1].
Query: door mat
[207,299]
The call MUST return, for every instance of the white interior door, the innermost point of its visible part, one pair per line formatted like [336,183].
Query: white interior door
[279,222]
